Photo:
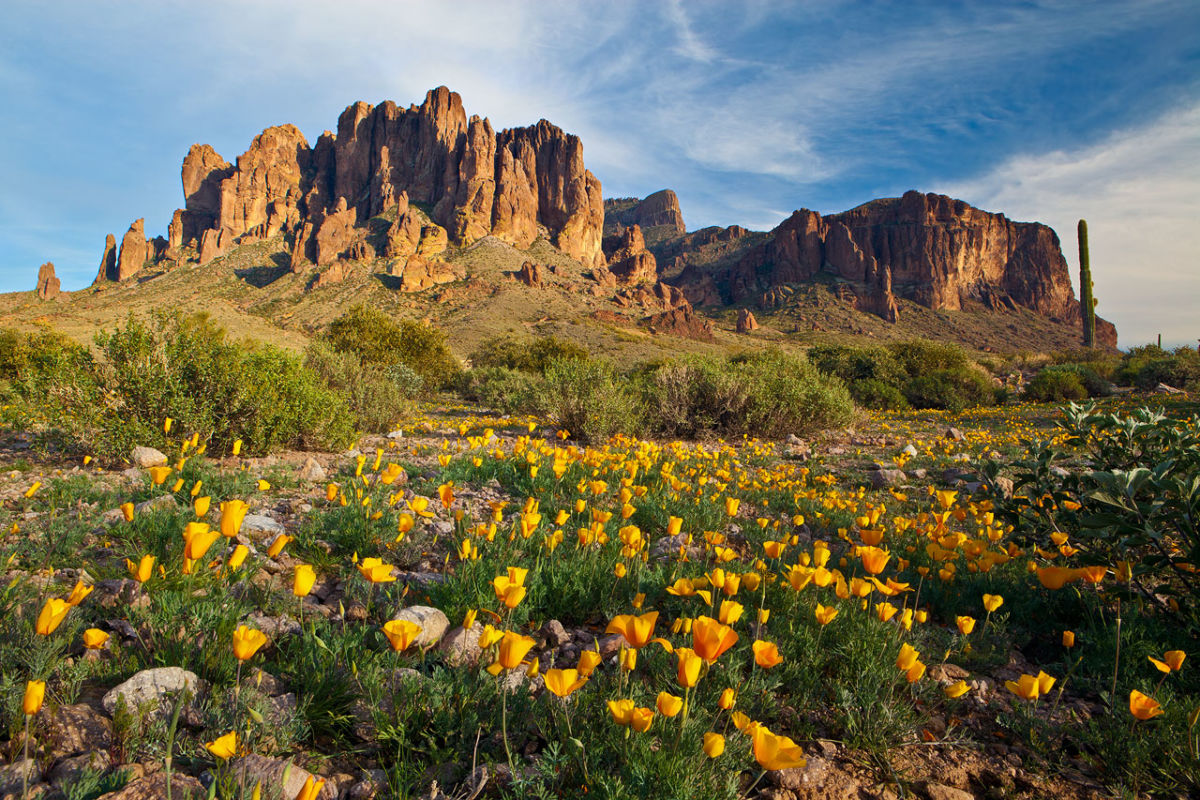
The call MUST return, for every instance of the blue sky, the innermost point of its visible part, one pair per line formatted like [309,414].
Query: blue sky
[1042,110]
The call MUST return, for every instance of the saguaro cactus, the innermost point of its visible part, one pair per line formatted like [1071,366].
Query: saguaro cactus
[1087,302]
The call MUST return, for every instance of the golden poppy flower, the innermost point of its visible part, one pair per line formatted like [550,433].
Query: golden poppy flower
[766,654]
[224,747]
[714,744]
[776,752]
[198,542]
[246,642]
[1055,578]
[1026,687]
[79,593]
[668,704]
[127,511]
[957,689]
[94,638]
[908,656]
[730,611]
[991,602]
[51,616]
[1143,706]
[873,559]
[401,633]
[35,695]
[311,789]
[1174,659]
[238,556]
[710,638]
[562,682]
[885,611]
[641,719]
[727,699]
[825,614]
[513,649]
[588,661]
[420,506]
[965,625]
[688,665]
[621,711]
[1068,639]
[233,513]
[375,571]
[159,474]
[303,578]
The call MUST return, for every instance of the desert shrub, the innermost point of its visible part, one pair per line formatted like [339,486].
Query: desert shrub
[1102,362]
[376,338]
[510,390]
[950,389]
[1054,386]
[920,357]
[527,355]
[31,356]
[182,367]
[876,393]
[763,394]
[858,363]
[1148,366]
[1093,383]
[589,398]
[377,396]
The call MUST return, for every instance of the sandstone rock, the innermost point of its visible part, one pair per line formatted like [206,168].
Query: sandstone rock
[146,457]
[300,247]
[14,775]
[954,434]
[68,770]
[213,244]
[460,646]
[48,286]
[148,690]
[154,787]
[269,171]
[158,503]
[335,274]
[135,250]
[404,234]
[335,233]
[260,525]
[937,791]
[311,471]
[683,322]
[660,209]
[530,274]
[433,622]
[746,321]
[420,274]
[202,173]
[108,261]
[629,260]
[278,776]
[360,251]
[75,729]
[883,478]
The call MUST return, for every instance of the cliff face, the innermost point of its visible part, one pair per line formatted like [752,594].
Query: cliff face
[475,183]
[660,209]
[936,251]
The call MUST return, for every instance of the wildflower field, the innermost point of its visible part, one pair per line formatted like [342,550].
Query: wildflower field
[996,603]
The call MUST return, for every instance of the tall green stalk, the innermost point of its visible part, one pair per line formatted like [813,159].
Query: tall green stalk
[1087,301]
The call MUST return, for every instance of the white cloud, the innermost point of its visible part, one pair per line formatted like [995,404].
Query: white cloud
[1139,191]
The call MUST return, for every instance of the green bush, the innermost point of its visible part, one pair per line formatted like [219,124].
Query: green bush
[589,399]
[1055,386]
[950,389]
[376,338]
[858,363]
[766,394]
[920,357]
[181,367]
[876,393]
[527,355]
[377,396]
[1146,367]
[509,390]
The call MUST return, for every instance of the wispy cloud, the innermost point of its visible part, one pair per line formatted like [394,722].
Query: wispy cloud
[1139,190]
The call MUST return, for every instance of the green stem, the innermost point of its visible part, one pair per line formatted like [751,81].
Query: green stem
[1112,694]
[25,763]
[504,727]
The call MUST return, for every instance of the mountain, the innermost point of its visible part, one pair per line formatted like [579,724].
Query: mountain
[433,214]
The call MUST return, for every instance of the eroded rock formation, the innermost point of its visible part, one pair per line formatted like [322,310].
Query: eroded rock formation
[48,286]
[660,209]
[628,259]
[135,250]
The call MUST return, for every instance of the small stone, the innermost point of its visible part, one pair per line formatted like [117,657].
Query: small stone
[555,633]
[954,434]
[148,689]
[312,471]
[938,791]
[13,776]
[910,451]
[164,502]
[279,777]
[71,730]
[262,524]
[154,787]
[461,646]
[433,622]
[146,457]
[68,770]
[882,478]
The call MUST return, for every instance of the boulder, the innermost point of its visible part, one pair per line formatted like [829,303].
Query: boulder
[148,691]
[279,777]
[460,646]
[530,274]
[628,259]
[48,286]
[146,457]
[71,730]
[154,787]
[311,471]
[746,321]
[433,622]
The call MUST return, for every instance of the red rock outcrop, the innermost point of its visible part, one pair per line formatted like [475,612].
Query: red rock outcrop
[746,321]
[657,298]
[660,209]
[683,322]
[421,273]
[335,234]
[530,274]
[202,173]
[135,250]
[628,259]
[108,261]
[474,182]
[48,286]
[936,251]
[213,243]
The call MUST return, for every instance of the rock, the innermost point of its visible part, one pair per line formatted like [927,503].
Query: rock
[660,209]
[746,321]
[335,233]
[335,274]
[954,434]
[530,274]
[14,775]
[148,690]
[883,478]
[628,259]
[48,286]
[213,244]
[162,502]
[311,471]
[275,627]
[279,777]
[1163,388]
[433,622]
[260,524]
[202,173]
[461,646]
[1004,486]
[265,187]
[71,730]
[910,451]
[819,779]
[943,252]
[555,634]
[146,457]
[108,261]
[937,791]
[68,770]
[421,273]
[135,251]
[682,322]
[154,787]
